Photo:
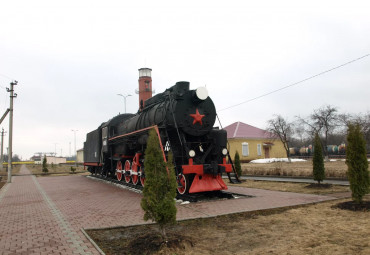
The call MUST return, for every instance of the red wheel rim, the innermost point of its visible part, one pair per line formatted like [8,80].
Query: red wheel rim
[127,171]
[135,177]
[182,180]
[119,170]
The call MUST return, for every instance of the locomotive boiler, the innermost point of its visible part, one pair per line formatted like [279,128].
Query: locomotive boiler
[183,120]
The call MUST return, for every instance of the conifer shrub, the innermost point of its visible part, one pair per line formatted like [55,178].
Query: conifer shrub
[318,161]
[159,192]
[237,164]
[356,160]
[44,165]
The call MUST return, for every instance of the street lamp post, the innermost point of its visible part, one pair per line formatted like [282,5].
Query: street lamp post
[75,130]
[55,150]
[124,97]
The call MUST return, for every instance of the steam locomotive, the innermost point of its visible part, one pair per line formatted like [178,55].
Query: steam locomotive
[183,120]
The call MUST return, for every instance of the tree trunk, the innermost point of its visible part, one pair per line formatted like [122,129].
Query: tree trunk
[163,234]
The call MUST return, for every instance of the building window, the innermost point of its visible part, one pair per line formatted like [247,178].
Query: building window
[245,149]
[259,150]
[147,85]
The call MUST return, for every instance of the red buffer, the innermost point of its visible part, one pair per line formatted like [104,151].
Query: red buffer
[205,182]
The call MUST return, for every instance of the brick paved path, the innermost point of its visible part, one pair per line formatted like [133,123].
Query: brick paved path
[30,223]
[44,215]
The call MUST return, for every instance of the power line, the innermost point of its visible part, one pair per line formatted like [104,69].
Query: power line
[6,76]
[3,75]
[296,83]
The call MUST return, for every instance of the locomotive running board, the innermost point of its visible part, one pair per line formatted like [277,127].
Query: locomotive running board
[207,182]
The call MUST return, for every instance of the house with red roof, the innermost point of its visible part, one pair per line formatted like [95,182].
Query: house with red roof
[253,143]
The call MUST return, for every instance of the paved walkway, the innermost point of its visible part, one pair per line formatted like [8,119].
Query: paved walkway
[45,215]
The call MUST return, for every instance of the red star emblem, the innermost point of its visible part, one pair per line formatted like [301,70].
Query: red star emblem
[197,117]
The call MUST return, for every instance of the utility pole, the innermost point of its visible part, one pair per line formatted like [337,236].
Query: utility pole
[75,130]
[12,95]
[55,150]
[2,146]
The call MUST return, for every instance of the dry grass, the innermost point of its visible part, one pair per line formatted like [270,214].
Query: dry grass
[315,229]
[311,229]
[291,187]
[336,169]
[4,174]
[55,169]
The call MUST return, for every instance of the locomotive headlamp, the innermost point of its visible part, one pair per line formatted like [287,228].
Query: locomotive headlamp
[224,151]
[202,93]
[192,153]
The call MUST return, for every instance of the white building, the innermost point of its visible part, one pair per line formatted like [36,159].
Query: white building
[80,156]
[55,160]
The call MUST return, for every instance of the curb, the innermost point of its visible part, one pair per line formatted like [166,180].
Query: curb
[92,241]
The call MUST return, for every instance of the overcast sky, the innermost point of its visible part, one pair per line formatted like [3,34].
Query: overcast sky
[71,58]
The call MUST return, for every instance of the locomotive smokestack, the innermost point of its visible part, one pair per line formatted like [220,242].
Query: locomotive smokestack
[145,86]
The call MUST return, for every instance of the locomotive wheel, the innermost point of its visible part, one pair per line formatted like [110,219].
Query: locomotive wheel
[183,184]
[99,171]
[135,176]
[142,178]
[127,173]
[119,170]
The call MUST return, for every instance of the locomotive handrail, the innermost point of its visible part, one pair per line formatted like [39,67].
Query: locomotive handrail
[155,127]
[131,133]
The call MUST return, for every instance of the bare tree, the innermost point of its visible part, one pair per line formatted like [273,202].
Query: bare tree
[322,121]
[282,129]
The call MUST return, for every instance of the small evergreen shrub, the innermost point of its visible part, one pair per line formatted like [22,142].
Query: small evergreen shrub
[318,161]
[159,192]
[44,165]
[356,160]
[237,164]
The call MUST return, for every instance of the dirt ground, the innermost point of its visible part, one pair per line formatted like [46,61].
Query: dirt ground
[313,229]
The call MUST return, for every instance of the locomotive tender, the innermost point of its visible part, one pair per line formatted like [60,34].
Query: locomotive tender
[183,120]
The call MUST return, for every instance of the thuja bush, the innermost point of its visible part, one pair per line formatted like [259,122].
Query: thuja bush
[237,164]
[356,160]
[44,165]
[159,192]
[318,161]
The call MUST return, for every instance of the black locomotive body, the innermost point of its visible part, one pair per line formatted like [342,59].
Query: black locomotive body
[184,122]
